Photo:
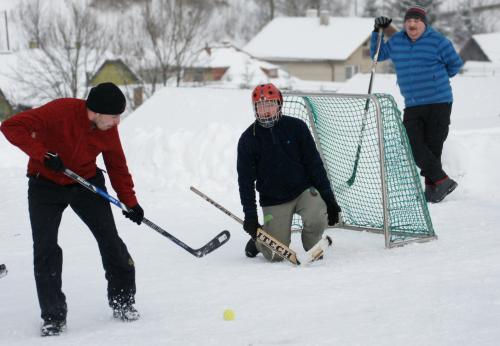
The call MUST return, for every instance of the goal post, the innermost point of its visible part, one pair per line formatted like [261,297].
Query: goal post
[369,162]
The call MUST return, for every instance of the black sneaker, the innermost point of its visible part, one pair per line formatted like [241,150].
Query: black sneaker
[442,189]
[53,328]
[126,313]
[250,249]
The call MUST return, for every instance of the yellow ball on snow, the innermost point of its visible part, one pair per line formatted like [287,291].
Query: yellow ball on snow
[228,315]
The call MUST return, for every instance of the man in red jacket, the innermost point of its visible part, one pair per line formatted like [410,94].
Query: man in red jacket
[72,133]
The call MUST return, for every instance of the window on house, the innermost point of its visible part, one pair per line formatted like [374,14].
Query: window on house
[351,70]
[270,72]
[198,75]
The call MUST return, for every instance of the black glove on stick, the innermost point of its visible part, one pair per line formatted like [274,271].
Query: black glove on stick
[382,22]
[136,214]
[250,226]
[53,162]
[333,210]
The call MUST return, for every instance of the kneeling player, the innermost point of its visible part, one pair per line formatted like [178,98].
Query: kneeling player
[278,157]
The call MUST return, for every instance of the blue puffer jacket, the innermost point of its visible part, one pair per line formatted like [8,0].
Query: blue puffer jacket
[283,160]
[423,67]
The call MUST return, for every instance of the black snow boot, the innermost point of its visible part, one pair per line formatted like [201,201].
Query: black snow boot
[429,190]
[442,189]
[250,249]
[126,313]
[53,328]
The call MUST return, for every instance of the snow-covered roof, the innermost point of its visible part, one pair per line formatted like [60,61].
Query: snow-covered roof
[242,68]
[490,44]
[226,55]
[303,38]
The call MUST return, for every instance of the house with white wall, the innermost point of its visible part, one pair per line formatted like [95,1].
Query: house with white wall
[321,48]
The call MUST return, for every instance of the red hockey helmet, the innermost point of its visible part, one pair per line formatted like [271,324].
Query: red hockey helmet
[267,101]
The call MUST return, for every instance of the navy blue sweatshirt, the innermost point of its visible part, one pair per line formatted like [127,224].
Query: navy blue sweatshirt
[281,162]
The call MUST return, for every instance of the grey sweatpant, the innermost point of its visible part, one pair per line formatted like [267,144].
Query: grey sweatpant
[278,221]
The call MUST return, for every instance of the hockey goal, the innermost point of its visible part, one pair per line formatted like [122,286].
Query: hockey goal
[364,146]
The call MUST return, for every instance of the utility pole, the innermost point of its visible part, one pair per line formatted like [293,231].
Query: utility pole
[6,30]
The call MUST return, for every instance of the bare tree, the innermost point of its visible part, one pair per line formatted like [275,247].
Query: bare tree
[68,45]
[397,8]
[372,9]
[173,29]
[297,8]
[114,4]
[267,9]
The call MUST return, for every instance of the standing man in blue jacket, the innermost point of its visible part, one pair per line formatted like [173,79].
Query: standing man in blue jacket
[278,157]
[425,61]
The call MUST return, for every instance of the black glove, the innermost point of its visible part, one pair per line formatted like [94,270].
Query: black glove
[333,210]
[53,162]
[136,214]
[382,22]
[250,226]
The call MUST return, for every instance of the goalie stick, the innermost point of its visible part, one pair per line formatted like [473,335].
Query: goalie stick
[3,270]
[351,180]
[272,243]
[213,244]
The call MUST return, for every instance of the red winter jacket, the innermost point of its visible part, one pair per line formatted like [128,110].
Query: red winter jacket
[62,126]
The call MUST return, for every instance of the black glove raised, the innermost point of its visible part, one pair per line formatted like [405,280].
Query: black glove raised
[382,22]
[333,210]
[136,214]
[250,226]
[53,162]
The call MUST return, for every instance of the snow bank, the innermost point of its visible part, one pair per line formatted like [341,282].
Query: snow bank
[184,136]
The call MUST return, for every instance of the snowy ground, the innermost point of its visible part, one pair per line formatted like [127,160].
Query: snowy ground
[446,292]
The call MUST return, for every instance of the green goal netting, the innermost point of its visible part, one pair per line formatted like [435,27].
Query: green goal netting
[371,168]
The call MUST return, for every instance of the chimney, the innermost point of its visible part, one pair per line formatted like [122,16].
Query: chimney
[138,96]
[311,12]
[324,17]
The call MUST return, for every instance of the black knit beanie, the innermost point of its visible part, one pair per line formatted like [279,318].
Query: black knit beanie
[416,12]
[106,98]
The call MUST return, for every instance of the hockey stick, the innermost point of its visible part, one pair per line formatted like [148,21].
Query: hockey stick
[263,237]
[350,181]
[273,244]
[3,270]
[213,244]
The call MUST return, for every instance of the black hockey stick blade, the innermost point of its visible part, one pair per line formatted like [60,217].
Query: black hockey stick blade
[212,245]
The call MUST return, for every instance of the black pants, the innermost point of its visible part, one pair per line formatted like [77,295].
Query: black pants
[47,201]
[427,128]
